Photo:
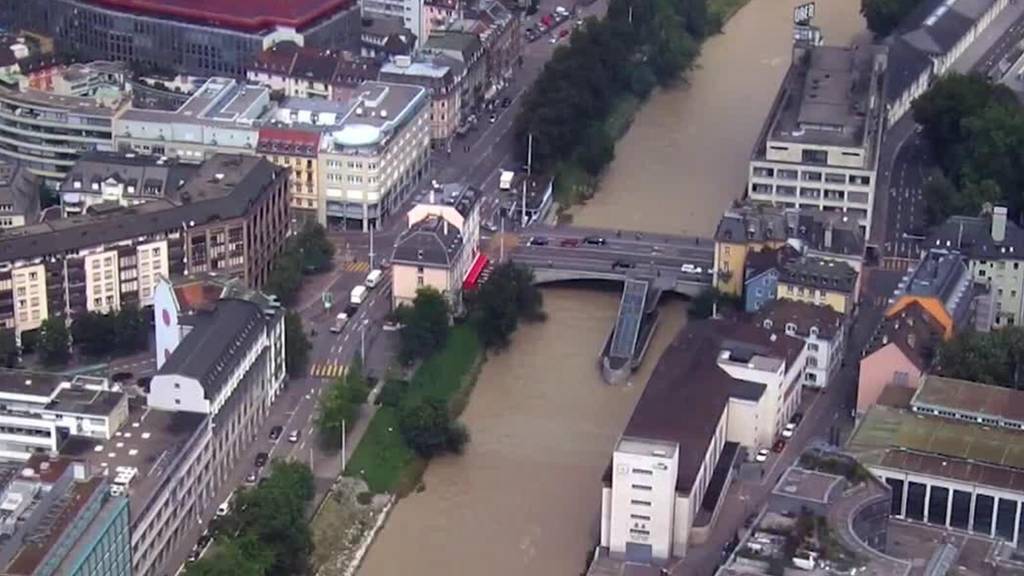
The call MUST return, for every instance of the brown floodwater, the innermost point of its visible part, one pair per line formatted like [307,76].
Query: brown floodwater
[525,497]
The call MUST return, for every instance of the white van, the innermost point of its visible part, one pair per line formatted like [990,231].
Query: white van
[373,278]
[358,295]
[225,506]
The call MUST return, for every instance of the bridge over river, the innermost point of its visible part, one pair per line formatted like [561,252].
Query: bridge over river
[646,264]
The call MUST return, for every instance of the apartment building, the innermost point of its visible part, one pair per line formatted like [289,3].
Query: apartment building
[439,247]
[819,145]
[443,78]
[719,385]
[197,37]
[378,155]
[409,12]
[47,133]
[942,284]
[62,518]
[230,218]
[19,195]
[927,43]
[751,227]
[819,281]
[43,411]
[384,37]
[899,353]
[122,179]
[299,72]
[222,116]
[947,453]
[822,329]
[295,149]
[500,34]
[994,248]
[466,49]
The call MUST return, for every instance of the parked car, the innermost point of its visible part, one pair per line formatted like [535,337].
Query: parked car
[261,459]
[762,455]
[252,478]
[506,102]
[563,33]
[569,242]
[275,432]
[537,241]
[797,418]
[788,431]
[779,446]
[494,118]
[554,40]
[295,436]
[595,240]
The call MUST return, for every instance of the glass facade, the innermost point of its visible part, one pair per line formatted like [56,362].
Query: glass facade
[109,554]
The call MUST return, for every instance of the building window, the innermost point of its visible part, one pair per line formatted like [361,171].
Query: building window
[642,472]
[640,503]
[984,506]
[641,487]
[641,517]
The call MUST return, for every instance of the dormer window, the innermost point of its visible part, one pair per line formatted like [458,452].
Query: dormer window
[814,331]
[768,324]
[790,328]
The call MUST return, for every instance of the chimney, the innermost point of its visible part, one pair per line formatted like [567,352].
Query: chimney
[999,223]
[445,227]
[828,235]
[431,195]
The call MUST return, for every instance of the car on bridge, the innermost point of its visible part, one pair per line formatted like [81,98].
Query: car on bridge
[569,242]
[691,269]
[537,241]
[595,240]
[622,265]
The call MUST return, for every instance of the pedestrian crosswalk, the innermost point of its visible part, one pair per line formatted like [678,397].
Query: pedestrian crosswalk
[327,370]
[357,267]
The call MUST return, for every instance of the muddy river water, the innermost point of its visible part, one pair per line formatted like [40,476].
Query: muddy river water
[525,497]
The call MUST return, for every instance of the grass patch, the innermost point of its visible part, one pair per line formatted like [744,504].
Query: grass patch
[443,374]
[382,458]
[719,11]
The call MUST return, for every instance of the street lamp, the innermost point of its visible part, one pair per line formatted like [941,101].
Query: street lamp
[362,339]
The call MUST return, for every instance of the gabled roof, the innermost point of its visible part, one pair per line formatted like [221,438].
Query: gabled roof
[913,330]
[803,315]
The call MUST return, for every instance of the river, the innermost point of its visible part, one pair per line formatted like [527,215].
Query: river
[525,497]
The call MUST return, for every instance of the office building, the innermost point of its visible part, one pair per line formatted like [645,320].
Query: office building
[994,248]
[230,219]
[377,156]
[122,179]
[819,146]
[750,227]
[59,518]
[822,329]
[899,353]
[719,385]
[197,37]
[220,117]
[439,247]
[19,195]
[949,454]
[443,78]
[47,133]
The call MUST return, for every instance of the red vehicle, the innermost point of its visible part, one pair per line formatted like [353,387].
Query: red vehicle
[569,242]
[563,33]
[779,446]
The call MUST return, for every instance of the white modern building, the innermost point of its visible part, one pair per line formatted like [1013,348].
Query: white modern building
[819,146]
[719,385]
[378,155]
[822,329]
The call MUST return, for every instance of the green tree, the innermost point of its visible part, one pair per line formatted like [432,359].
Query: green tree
[8,348]
[93,334]
[338,411]
[131,329]
[315,249]
[274,515]
[296,345]
[425,325]
[54,341]
[429,429]
[706,303]
[597,150]
[995,358]
[508,296]
[231,557]
[285,278]
[883,16]
[355,381]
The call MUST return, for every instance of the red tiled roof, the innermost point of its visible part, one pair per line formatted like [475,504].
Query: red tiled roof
[289,141]
[243,15]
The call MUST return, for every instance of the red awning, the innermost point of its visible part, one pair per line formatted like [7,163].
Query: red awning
[474,271]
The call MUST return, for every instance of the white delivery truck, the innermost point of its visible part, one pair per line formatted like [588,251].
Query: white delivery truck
[358,295]
[373,278]
[505,180]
